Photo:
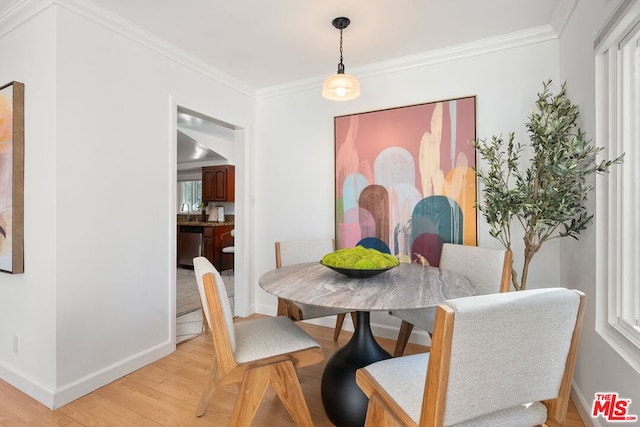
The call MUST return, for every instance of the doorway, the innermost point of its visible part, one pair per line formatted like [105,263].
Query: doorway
[201,141]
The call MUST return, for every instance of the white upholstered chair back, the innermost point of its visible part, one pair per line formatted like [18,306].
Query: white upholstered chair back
[298,251]
[202,266]
[484,267]
[508,349]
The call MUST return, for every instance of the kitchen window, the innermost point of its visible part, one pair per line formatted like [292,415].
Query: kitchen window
[189,194]
[617,49]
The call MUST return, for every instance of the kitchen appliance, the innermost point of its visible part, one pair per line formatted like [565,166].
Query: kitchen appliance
[190,244]
[216,213]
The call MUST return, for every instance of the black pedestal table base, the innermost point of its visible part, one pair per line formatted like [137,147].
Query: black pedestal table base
[344,402]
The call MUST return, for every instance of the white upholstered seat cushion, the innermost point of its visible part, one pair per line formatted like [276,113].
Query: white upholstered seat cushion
[526,415]
[252,339]
[269,336]
[314,311]
[422,318]
[403,379]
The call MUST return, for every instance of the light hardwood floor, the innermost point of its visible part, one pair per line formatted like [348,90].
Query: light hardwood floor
[166,392]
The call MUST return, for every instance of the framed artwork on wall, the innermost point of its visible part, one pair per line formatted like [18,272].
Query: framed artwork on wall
[12,178]
[404,179]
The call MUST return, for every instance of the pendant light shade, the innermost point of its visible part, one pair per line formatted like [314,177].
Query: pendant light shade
[341,86]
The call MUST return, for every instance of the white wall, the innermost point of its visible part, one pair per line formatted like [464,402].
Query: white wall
[27,301]
[599,368]
[97,299]
[294,196]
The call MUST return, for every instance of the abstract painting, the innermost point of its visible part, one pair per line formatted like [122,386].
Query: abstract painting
[12,178]
[405,179]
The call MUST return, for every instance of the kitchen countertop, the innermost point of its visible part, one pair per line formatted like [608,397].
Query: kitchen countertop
[206,223]
[196,220]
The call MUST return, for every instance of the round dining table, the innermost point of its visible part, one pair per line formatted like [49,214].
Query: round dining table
[407,286]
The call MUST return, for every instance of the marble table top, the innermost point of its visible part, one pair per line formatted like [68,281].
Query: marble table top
[403,287]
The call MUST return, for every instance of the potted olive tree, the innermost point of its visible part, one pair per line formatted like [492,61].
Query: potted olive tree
[547,192]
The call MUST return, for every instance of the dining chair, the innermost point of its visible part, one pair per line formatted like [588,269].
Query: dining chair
[488,269]
[297,251]
[229,249]
[254,354]
[503,359]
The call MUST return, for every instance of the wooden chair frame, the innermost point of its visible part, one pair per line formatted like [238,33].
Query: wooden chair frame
[291,310]
[253,377]
[406,328]
[383,411]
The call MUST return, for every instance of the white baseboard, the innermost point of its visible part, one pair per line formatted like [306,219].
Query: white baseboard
[95,380]
[583,406]
[54,399]
[28,386]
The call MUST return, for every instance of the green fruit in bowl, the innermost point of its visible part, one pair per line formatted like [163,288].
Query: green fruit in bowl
[359,258]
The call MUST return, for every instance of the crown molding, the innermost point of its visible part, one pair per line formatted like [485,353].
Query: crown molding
[562,14]
[480,47]
[625,14]
[20,11]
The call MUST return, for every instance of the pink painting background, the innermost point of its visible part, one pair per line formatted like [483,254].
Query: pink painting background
[6,173]
[413,152]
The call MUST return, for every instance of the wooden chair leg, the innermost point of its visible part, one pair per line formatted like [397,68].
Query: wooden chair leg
[205,324]
[254,385]
[379,416]
[209,388]
[283,308]
[403,338]
[285,383]
[339,321]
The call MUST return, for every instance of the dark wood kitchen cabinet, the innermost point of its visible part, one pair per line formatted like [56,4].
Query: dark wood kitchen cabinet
[216,238]
[219,183]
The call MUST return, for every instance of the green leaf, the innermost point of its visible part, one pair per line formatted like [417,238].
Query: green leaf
[546,193]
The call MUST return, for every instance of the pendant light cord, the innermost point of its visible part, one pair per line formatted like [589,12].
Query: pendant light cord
[340,46]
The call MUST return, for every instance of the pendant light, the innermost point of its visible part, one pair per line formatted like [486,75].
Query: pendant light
[341,86]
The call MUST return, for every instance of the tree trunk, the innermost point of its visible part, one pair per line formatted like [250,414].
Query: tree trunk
[525,272]
[514,278]
[530,249]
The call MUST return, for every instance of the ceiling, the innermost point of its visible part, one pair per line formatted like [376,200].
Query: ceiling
[190,152]
[263,43]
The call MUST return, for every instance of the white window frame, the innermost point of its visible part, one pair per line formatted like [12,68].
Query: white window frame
[618,193]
